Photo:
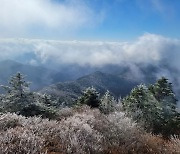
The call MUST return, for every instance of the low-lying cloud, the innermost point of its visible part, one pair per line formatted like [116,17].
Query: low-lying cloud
[147,49]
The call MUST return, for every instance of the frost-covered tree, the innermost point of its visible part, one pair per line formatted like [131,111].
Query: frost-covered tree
[20,100]
[17,93]
[154,108]
[90,97]
[163,92]
[18,85]
[46,100]
[142,106]
[108,103]
[170,118]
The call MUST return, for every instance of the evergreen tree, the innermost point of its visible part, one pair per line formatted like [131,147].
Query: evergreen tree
[142,106]
[163,92]
[108,103]
[18,86]
[17,93]
[46,100]
[20,100]
[154,108]
[163,89]
[90,97]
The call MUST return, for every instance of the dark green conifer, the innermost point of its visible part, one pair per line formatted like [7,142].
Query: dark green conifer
[90,97]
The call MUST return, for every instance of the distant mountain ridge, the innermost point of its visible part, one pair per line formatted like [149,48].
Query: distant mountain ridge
[69,91]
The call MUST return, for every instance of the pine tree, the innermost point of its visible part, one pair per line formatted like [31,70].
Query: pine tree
[18,86]
[154,108]
[162,89]
[20,100]
[142,106]
[108,103]
[46,100]
[17,93]
[170,118]
[90,97]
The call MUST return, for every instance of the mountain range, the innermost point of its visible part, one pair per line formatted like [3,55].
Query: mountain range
[70,91]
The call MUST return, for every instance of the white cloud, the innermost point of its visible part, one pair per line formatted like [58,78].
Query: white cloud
[31,16]
[147,49]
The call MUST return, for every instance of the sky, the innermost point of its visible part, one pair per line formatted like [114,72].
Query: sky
[94,20]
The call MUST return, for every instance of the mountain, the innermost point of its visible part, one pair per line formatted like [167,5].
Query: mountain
[37,75]
[145,74]
[69,91]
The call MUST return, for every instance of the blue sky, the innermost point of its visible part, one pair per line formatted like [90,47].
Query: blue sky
[127,19]
[110,20]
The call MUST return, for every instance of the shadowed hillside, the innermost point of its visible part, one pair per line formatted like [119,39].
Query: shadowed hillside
[68,91]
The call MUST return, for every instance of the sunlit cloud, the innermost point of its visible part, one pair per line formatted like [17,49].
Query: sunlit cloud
[147,49]
[33,17]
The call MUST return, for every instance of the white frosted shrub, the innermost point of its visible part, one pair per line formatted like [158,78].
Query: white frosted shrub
[10,120]
[85,131]
[20,141]
[80,135]
[123,123]
[64,113]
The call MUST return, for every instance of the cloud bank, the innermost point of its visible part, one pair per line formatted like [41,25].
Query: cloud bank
[147,49]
